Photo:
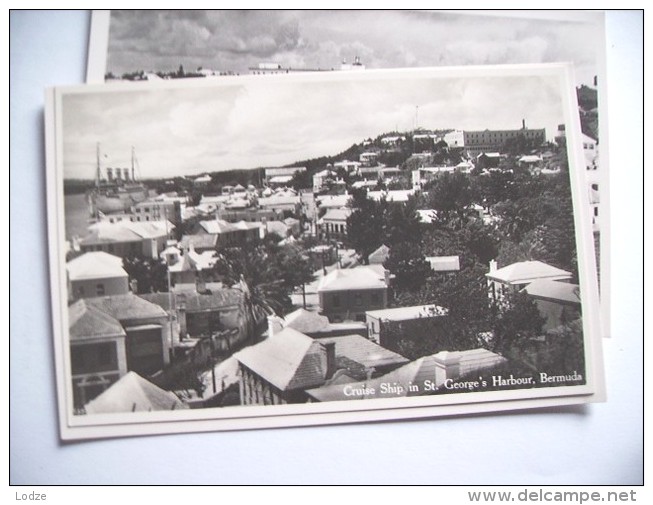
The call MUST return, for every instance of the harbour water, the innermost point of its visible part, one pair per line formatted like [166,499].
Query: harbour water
[77,215]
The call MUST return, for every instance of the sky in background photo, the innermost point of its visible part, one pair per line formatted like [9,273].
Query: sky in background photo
[161,41]
[192,127]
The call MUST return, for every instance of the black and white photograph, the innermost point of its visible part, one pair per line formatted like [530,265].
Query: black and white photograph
[319,247]
[133,45]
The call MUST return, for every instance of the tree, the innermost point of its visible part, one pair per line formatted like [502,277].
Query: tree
[409,266]
[450,195]
[246,270]
[465,297]
[366,224]
[150,275]
[517,325]
[301,180]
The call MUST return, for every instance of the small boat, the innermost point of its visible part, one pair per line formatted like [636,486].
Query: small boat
[116,189]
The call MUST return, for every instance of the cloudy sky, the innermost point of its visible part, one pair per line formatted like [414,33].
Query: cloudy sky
[237,40]
[192,127]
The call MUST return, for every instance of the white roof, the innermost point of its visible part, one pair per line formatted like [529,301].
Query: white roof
[361,277]
[528,271]
[406,313]
[335,215]
[95,265]
[280,360]
[396,195]
[133,393]
[427,215]
[530,158]
[554,290]
[333,200]
[444,263]
[280,179]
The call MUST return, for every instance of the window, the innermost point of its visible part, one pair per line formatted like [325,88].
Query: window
[99,289]
[358,299]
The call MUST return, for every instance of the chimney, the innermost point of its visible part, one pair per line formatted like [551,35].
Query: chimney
[200,284]
[330,359]
[181,317]
[110,174]
[493,266]
[275,325]
[447,366]
[126,172]
[523,124]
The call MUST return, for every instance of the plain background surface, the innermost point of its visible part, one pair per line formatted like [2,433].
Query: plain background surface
[596,444]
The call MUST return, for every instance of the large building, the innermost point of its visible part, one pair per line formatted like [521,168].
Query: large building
[112,335]
[477,142]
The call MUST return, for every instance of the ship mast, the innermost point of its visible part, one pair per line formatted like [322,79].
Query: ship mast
[133,156]
[97,175]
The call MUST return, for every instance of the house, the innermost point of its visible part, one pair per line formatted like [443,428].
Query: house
[111,335]
[427,216]
[444,264]
[251,215]
[351,167]
[455,138]
[281,174]
[126,238]
[326,202]
[97,351]
[347,294]
[201,310]
[558,302]
[320,179]
[285,204]
[280,369]
[369,172]
[202,181]
[380,321]
[369,159]
[532,162]
[133,393]
[394,195]
[200,243]
[420,377]
[314,325]
[518,275]
[230,234]
[189,266]
[158,210]
[96,274]
[379,256]
[488,160]
[423,142]
[333,225]
[423,175]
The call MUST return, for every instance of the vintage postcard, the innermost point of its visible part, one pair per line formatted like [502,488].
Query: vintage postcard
[145,45]
[322,247]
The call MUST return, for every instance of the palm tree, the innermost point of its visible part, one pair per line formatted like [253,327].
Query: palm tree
[246,270]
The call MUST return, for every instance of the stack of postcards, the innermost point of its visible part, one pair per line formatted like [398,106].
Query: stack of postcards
[265,219]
